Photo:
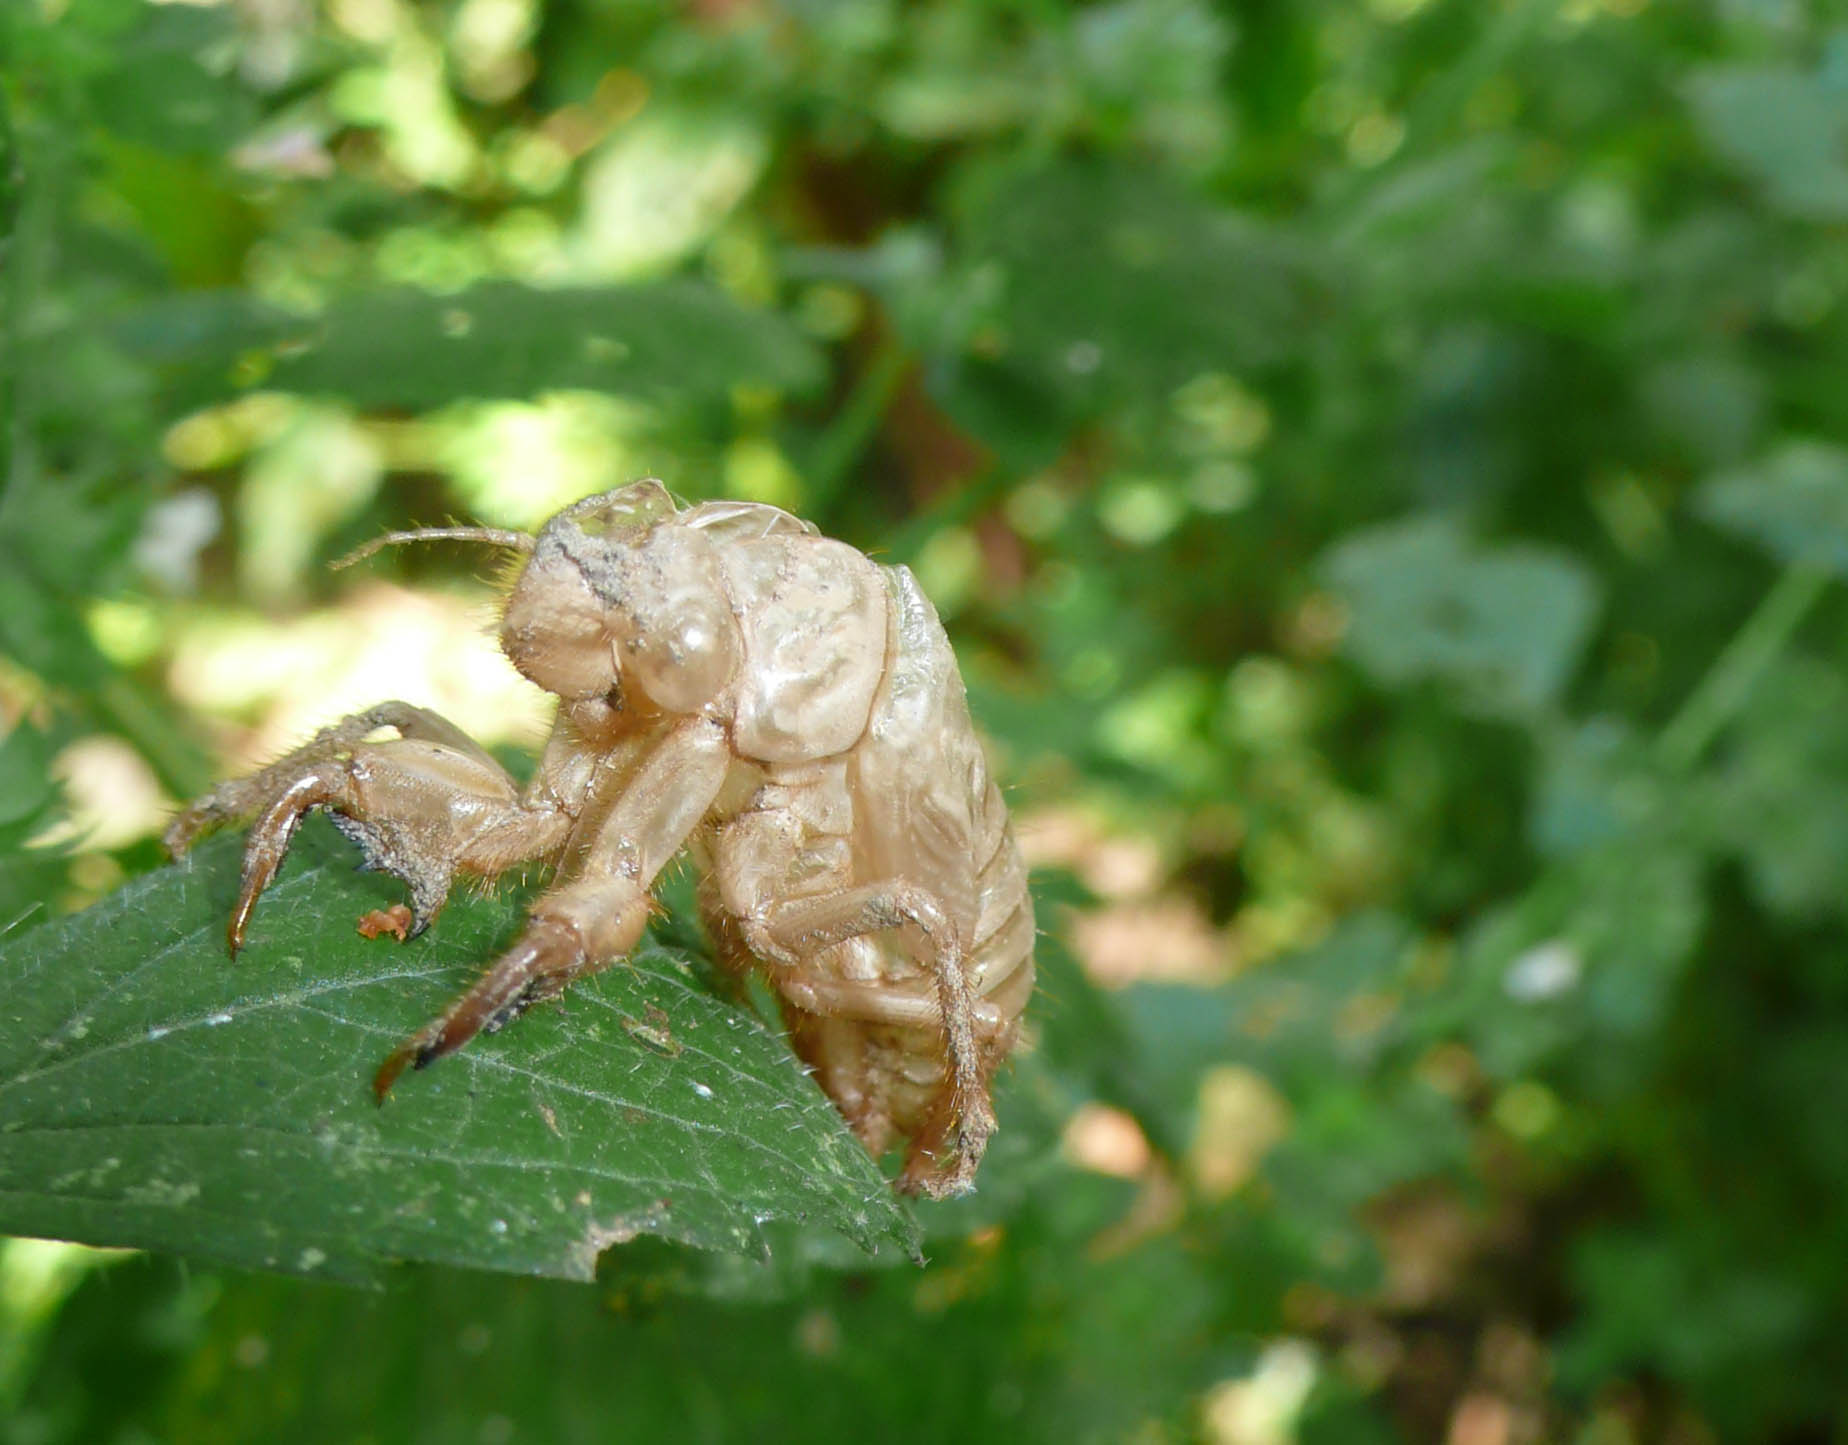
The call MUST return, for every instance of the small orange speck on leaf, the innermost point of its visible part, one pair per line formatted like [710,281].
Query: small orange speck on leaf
[395,920]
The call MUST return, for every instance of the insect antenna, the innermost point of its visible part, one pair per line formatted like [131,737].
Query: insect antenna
[523,542]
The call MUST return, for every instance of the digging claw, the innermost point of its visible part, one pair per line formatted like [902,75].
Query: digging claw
[268,843]
[259,872]
[234,930]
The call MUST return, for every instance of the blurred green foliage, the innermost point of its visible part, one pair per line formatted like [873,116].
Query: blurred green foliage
[1382,466]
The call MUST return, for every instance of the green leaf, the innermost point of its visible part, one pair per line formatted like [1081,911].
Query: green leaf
[1049,1341]
[1668,1304]
[1350,1144]
[1104,270]
[1590,955]
[410,348]
[1793,503]
[1707,406]
[1779,800]
[160,93]
[675,338]
[60,542]
[1084,1030]
[1084,287]
[1290,1012]
[1786,128]
[154,1094]
[29,803]
[195,326]
[1502,627]
[26,787]
[1598,783]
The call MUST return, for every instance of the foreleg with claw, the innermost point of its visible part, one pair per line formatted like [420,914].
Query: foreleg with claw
[425,806]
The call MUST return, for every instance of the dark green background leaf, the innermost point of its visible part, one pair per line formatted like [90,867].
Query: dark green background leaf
[1787,128]
[1503,626]
[407,348]
[1102,276]
[161,92]
[1780,797]
[1032,1347]
[1793,503]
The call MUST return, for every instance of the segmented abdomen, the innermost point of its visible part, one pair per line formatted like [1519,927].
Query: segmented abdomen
[928,810]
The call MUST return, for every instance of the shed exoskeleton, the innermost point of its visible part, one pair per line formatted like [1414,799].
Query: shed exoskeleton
[732,683]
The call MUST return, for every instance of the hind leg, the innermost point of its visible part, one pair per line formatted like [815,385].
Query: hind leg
[948,1146]
[787,879]
[836,1050]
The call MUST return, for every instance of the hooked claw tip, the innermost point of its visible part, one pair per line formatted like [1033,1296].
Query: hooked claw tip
[388,1074]
[415,1055]
[240,922]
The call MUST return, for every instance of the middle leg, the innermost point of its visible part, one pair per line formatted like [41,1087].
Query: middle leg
[595,917]
[573,931]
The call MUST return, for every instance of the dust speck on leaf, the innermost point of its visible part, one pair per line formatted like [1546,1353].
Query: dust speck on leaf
[655,1030]
[163,1193]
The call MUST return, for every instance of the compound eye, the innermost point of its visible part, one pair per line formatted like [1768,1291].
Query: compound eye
[686,658]
[680,639]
